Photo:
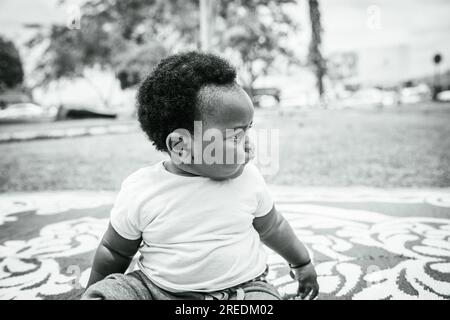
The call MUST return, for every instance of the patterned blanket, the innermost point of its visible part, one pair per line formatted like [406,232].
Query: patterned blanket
[366,243]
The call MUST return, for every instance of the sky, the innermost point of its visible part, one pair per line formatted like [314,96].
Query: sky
[421,26]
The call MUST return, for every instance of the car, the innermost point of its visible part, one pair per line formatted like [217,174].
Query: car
[24,112]
[415,94]
[367,98]
[444,96]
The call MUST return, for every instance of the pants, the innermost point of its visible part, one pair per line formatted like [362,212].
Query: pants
[137,286]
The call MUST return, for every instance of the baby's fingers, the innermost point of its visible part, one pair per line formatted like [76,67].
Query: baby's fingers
[303,291]
[314,293]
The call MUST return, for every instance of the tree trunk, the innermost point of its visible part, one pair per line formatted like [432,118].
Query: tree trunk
[250,84]
[315,55]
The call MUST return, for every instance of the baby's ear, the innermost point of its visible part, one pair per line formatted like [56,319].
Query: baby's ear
[178,145]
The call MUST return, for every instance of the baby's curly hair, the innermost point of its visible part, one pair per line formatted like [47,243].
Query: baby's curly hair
[168,98]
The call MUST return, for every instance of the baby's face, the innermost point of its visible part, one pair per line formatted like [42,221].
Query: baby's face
[230,113]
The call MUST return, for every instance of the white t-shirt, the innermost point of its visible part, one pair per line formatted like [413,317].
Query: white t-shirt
[197,232]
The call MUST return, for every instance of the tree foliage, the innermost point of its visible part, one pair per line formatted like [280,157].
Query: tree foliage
[130,37]
[257,32]
[11,71]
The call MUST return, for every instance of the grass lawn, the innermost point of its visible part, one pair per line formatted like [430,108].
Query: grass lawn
[408,147]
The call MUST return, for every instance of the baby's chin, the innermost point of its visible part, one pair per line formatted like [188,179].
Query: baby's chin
[227,173]
[237,173]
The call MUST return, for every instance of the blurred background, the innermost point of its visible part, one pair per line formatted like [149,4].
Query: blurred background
[360,90]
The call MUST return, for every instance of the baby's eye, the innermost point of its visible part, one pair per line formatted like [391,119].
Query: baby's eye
[238,137]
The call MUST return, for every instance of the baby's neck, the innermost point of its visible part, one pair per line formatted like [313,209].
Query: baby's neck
[171,167]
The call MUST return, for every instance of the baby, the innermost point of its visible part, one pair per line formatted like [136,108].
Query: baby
[198,221]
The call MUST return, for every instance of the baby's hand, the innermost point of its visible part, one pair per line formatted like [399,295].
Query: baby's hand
[249,148]
[307,281]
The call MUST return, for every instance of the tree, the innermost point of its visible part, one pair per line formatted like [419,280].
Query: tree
[169,22]
[97,43]
[315,57]
[135,63]
[257,32]
[69,52]
[11,71]
[129,37]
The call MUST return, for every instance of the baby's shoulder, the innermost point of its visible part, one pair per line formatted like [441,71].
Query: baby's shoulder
[144,175]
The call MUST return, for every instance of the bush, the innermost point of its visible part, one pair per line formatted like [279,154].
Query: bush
[11,71]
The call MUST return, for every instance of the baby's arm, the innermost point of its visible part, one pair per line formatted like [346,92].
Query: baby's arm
[113,255]
[277,234]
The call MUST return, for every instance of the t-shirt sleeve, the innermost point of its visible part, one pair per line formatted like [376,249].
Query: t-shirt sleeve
[265,201]
[124,215]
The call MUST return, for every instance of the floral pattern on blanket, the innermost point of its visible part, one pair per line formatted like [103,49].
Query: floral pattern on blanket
[359,254]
